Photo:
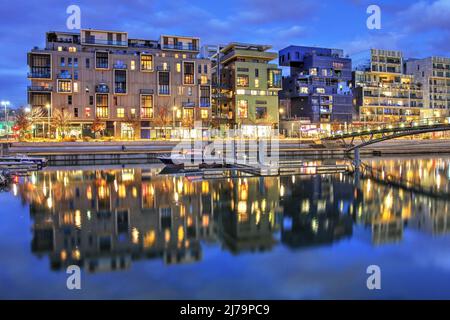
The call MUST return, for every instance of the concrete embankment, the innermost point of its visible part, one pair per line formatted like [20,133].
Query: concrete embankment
[145,151]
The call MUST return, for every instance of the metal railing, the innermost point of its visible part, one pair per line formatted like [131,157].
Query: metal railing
[372,129]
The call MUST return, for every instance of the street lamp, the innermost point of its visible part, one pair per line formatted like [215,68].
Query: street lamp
[6,104]
[174,109]
[48,118]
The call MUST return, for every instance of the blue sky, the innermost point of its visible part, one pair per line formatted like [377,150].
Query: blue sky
[419,28]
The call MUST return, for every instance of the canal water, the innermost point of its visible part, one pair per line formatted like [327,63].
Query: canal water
[140,234]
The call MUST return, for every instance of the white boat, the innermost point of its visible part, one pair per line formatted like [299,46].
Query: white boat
[24,158]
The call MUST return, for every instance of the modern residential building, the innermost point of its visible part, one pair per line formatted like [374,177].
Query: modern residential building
[318,86]
[433,73]
[138,88]
[246,89]
[383,93]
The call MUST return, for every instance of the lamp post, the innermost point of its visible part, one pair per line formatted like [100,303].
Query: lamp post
[174,110]
[6,104]
[48,118]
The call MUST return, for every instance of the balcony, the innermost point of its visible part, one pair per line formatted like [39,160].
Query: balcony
[40,88]
[40,75]
[188,104]
[120,90]
[181,46]
[146,91]
[103,42]
[102,88]
[120,65]
[162,68]
[64,75]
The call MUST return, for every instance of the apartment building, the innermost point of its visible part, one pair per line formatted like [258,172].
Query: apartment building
[383,93]
[246,89]
[433,73]
[319,84]
[136,87]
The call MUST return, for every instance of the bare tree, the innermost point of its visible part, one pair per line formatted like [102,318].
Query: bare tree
[25,120]
[134,123]
[61,120]
[98,126]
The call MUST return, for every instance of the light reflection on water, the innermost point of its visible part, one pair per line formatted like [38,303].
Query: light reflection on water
[107,220]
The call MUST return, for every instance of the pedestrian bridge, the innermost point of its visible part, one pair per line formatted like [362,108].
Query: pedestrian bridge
[370,134]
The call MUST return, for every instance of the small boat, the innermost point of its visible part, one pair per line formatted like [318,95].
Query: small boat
[24,158]
[182,158]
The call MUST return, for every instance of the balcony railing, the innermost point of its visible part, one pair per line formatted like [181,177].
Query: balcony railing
[40,75]
[146,91]
[104,42]
[119,66]
[64,76]
[162,68]
[120,90]
[181,46]
[101,88]
[40,88]
[188,104]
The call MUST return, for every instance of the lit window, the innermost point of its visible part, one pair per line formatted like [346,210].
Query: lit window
[72,49]
[60,48]
[254,92]
[256,83]
[64,86]
[146,62]
[184,56]
[87,112]
[176,56]
[304,90]
[178,67]
[313,71]
[120,112]
[133,65]
[188,72]
[147,106]
[242,80]
[240,91]
[204,79]
[242,108]
[133,112]
[204,114]
[320,90]
[75,87]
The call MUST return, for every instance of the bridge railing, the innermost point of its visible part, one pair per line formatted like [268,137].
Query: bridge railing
[389,127]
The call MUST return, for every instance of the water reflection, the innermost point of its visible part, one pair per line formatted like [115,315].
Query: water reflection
[103,220]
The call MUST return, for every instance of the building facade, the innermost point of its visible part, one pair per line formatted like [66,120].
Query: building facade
[136,87]
[246,89]
[383,93]
[433,73]
[318,86]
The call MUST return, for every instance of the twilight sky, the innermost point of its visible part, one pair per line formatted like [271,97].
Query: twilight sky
[419,28]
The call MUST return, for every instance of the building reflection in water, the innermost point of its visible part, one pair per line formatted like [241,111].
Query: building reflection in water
[103,220]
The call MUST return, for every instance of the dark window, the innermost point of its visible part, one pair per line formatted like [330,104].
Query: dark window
[88,63]
[256,73]
[205,96]
[115,101]
[91,100]
[120,81]
[205,68]
[63,63]
[261,112]
[101,60]
[164,83]
[75,112]
[69,62]
[75,62]
[69,100]
[199,68]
